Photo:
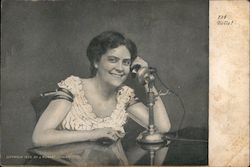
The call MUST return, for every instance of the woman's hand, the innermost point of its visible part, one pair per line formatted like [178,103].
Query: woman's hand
[139,61]
[108,133]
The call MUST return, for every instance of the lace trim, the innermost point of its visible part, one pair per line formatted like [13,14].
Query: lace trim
[81,115]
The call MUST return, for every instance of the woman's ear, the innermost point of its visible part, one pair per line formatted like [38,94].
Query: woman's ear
[95,65]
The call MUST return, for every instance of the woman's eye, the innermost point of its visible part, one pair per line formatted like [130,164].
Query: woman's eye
[112,60]
[127,62]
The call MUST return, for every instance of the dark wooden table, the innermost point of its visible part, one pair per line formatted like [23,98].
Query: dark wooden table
[189,148]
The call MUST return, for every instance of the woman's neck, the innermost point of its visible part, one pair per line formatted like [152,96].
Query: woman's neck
[106,90]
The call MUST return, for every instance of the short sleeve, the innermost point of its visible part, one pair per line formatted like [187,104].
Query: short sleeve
[72,83]
[127,95]
[133,100]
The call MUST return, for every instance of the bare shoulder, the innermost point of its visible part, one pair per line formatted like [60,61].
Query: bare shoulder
[57,107]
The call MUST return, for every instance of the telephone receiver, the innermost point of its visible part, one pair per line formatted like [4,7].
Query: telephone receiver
[141,74]
[134,69]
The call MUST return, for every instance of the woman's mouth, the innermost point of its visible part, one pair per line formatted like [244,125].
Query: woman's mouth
[117,75]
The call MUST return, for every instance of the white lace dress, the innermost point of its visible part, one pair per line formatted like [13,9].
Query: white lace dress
[81,115]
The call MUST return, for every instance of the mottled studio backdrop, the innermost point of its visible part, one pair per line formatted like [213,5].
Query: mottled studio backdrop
[43,42]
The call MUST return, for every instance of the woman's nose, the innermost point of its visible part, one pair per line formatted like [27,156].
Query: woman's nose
[119,66]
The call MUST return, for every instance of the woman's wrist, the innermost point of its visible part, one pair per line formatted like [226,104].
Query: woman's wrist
[153,89]
[95,134]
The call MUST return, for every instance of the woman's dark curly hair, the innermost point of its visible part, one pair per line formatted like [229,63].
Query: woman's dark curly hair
[107,40]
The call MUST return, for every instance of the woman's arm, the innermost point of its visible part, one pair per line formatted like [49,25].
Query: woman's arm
[45,132]
[139,113]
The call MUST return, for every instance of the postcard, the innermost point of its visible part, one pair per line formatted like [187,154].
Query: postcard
[125,82]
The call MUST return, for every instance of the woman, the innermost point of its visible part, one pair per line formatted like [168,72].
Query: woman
[101,103]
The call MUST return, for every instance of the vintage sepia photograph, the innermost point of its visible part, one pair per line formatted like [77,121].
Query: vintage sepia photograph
[105,82]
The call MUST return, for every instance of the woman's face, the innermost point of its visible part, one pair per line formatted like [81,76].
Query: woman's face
[114,66]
